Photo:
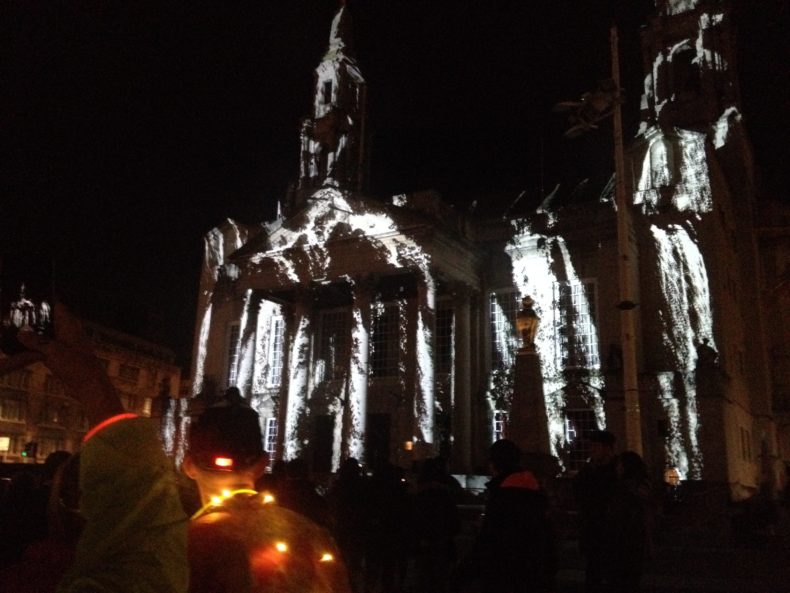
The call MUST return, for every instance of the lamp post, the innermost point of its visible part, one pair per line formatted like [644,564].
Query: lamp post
[584,115]
[527,321]
[633,414]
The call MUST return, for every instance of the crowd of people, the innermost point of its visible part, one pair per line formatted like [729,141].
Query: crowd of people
[114,517]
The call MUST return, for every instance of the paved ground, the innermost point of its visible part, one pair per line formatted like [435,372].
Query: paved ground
[703,561]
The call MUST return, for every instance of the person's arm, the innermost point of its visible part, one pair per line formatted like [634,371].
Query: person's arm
[134,538]
[70,358]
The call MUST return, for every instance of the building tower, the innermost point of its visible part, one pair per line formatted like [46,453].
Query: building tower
[333,136]
[693,181]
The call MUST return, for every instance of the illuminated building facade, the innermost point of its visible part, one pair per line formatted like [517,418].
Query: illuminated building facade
[35,410]
[374,329]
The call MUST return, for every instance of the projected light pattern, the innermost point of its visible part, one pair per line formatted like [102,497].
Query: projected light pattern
[269,347]
[297,388]
[535,261]
[687,319]
[675,449]
[358,381]
[305,253]
[722,127]
[686,314]
[678,163]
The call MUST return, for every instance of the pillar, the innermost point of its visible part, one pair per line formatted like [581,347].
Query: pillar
[424,400]
[299,372]
[247,331]
[528,421]
[462,414]
[358,370]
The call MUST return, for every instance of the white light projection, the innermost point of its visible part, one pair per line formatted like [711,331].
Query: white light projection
[686,317]
[678,6]
[302,254]
[215,253]
[676,163]
[722,127]
[296,406]
[533,268]
[263,377]
[358,380]
[674,448]
[687,180]
[246,345]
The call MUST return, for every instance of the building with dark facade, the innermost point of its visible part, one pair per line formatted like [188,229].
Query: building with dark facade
[386,330]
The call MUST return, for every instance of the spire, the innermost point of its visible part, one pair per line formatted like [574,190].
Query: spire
[333,146]
[340,37]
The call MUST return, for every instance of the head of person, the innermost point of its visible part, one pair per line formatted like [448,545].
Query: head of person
[225,450]
[631,466]
[504,457]
[601,446]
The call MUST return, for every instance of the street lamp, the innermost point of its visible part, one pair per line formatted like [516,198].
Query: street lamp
[527,321]
[583,116]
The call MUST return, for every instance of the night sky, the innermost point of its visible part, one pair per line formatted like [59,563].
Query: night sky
[130,129]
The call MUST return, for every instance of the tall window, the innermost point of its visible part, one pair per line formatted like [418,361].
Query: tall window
[384,346]
[12,409]
[503,307]
[129,373]
[275,351]
[270,437]
[576,337]
[333,347]
[233,353]
[18,379]
[445,328]
[327,91]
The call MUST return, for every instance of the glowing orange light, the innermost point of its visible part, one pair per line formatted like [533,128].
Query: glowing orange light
[223,462]
[327,557]
[268,498]
[281,547]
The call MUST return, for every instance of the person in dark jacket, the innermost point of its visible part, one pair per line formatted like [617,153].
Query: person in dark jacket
[436,523]
[514,552]
[629,519]
[593,487]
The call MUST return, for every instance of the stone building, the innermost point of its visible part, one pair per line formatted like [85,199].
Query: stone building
[359,327]
[35,410]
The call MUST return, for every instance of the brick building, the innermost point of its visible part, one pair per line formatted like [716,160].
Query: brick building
[34,409]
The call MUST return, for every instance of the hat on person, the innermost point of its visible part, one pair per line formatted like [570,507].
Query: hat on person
[226,437]
[602,436]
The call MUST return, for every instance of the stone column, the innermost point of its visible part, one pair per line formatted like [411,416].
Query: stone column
[528,421]
[424,399]
[354,432]
[299,372]
[247,330]
[462,414]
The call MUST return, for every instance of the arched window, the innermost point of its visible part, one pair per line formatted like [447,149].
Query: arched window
[685,74]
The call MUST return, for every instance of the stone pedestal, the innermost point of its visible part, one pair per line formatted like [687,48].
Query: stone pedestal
[528,426]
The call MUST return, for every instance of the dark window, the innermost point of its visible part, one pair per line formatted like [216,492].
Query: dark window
[685,75]
[384,342]
[444,339]
[327,91]
[333,348]
[129,373]
[578,425]
[322,443]
[576,337]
